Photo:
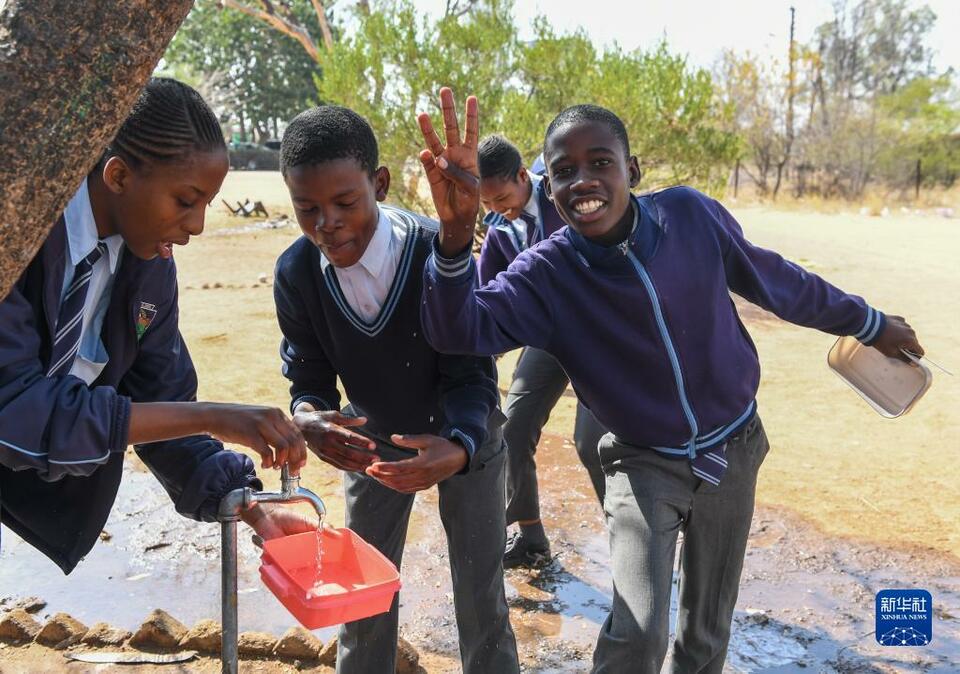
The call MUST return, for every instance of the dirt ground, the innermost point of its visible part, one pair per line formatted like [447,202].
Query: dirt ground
[848,502]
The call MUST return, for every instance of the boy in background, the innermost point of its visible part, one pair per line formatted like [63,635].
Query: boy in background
[633,300]
[519,216]
[348,299]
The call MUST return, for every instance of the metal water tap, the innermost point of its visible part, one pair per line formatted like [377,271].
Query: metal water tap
[231,505]
[290,492]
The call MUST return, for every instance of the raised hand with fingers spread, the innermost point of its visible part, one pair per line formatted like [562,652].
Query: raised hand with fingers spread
[452,172]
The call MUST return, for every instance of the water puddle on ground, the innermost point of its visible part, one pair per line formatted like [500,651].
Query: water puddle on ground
[151,558]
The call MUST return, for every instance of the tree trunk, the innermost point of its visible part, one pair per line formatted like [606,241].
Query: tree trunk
[262,133]
[791,93]
[69,74]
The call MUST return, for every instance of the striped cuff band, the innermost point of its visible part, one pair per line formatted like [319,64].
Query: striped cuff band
[453,268]
[457,434]
[871,326]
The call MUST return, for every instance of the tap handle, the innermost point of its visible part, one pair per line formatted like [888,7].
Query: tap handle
[288,484]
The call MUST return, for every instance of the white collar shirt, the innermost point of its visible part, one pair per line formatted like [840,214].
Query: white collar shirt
[365,285]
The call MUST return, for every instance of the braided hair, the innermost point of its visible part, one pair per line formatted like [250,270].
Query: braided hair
[169,121]
[497,157]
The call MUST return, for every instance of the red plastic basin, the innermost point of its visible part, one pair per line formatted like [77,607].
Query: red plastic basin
[357,580]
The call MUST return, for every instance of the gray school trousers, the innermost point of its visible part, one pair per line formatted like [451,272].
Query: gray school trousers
[650,498]
[538,382]
[471,509]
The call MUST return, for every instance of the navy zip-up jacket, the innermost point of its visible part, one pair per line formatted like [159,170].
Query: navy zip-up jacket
[62,442]
[503,243]
[646,330]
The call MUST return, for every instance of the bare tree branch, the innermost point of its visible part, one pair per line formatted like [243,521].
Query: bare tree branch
[270,16]
[324,25]
[458,8]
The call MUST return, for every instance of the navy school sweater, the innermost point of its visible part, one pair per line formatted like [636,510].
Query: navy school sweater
[390,373]
[646,330]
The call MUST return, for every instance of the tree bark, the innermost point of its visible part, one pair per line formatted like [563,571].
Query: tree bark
[69,74]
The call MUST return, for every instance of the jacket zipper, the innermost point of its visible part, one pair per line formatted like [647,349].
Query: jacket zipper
[665,335]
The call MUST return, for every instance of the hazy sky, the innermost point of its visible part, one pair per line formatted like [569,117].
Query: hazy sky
[702,28]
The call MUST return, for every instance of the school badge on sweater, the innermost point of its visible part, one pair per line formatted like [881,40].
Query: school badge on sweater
[145,316]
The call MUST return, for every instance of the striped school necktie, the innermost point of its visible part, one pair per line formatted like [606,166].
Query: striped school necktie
[710,464]
[531,225]
[66,341]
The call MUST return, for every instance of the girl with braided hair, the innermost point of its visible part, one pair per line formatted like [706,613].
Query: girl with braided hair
[91,356]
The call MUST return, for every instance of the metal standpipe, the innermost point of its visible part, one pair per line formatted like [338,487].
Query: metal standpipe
[228,595]
[228,514]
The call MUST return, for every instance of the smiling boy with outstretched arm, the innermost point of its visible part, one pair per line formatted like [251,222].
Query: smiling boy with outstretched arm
[633,300]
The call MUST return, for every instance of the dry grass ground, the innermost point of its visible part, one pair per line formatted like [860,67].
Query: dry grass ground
[834,461]
[874,200]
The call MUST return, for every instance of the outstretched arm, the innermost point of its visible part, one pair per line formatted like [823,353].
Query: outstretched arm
[801,297]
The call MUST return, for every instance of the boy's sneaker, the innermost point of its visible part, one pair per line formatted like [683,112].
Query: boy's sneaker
[521,552]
